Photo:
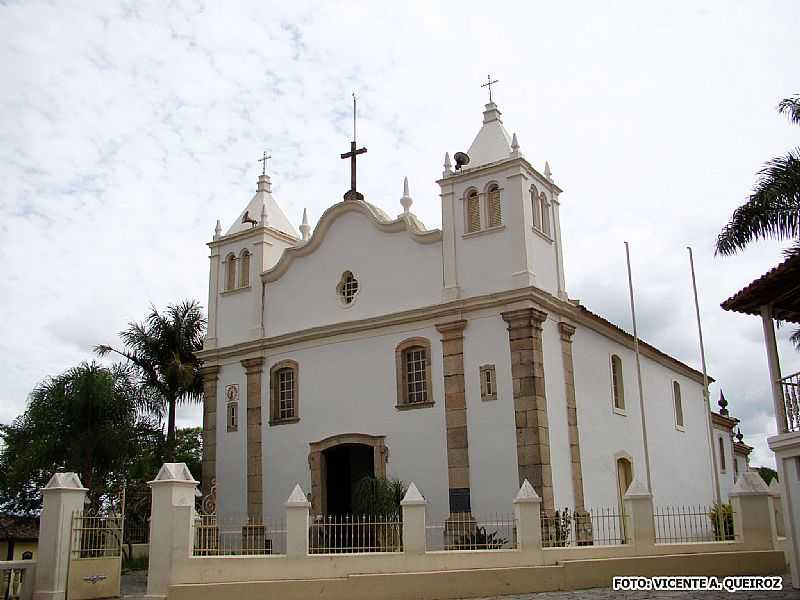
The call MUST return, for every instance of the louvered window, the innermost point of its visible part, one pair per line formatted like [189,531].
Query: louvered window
[545,214]
[244,269]
[230,272]
[473,212]
[495,217]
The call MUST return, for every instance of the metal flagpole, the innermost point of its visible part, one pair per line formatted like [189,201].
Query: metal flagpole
[638,372]
[705,381]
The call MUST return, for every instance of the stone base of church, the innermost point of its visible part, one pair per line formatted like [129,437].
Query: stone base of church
[470,582]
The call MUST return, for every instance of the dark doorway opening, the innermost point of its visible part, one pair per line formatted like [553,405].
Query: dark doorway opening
[345,466]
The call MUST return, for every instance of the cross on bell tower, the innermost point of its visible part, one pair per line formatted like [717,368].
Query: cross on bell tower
[489,83]
[352,193]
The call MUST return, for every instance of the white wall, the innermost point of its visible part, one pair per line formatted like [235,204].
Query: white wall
[726,482]
[679,460]
[492,438]
[560,459]
[349,387]
[394,272]
[231,446]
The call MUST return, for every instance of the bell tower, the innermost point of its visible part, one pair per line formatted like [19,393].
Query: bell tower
[500,218]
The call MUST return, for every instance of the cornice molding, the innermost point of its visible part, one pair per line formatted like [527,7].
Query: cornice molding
[495,167]
[261,230]
[401,224]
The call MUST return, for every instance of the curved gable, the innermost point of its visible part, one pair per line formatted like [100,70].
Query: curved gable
[405,223]
[357,265]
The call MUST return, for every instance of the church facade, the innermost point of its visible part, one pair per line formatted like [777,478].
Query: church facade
[453,358]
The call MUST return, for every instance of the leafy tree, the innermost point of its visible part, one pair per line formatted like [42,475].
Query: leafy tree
[87,420]
[162,350]
[767,474]
[773,209]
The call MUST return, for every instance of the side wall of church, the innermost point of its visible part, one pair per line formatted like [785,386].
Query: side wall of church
[492,443]
[725,477]
[231,445]
[349,387]
[679,460]
[394,273]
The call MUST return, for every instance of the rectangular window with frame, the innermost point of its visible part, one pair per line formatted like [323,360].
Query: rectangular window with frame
[488,382]
[416,389]
[473,207]
[233,416]
[493,208]
[285,394]
[722,465]
[617,385]
[678,402]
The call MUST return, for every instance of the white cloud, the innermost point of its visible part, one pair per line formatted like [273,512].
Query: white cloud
[126,130]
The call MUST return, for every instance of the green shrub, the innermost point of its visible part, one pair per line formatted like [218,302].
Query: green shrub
[721,516]
[377,496]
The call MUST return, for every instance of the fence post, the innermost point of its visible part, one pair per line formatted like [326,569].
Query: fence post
[63,496]
[413,507]
[527,511]
[752,521]
[297,524]
[171,516]
[638,521]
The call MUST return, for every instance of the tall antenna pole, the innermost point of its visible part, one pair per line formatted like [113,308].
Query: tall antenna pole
[706,398]
[354,116]
[638,372]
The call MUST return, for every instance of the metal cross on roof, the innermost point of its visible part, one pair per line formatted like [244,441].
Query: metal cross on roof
[352,193]
[489,83]
[263,162]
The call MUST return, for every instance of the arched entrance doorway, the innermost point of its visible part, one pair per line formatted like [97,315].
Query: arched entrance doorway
[337,463]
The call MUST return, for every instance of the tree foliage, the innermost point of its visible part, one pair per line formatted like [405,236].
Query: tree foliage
[87,420]
[773,208]
[161,351]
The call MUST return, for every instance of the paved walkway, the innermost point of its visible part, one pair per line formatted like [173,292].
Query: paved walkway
[134,585]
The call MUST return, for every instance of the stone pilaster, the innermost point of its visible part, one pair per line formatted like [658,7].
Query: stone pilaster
[455,407]
[253,367]
[530,403]
[566,330]
[210,377]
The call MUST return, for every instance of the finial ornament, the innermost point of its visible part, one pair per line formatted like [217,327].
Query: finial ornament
[406,200]
[217,230]
[448,166]
[263,160]
[514,146]
[489,83]
[547,173]
[723,404]
[352,193]
[739,436]
[305,230]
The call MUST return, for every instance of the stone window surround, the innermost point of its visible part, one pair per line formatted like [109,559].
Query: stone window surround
[232,416]
[676,386]
[339,288]
[483,211]
[274,400]
[400,371]
[233,263]
[619,410]
[241,272]
[316,462]
[484,395]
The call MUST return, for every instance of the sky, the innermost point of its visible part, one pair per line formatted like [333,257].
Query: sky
[127,129]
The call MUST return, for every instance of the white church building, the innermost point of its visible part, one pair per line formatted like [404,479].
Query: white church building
[450,357]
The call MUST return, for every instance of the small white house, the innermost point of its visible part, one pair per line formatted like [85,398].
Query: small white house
[452,357]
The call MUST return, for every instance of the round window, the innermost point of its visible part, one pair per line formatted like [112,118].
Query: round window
[347,288]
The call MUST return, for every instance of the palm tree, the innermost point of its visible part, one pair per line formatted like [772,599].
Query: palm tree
[86,420]
[162,351]
[773,209]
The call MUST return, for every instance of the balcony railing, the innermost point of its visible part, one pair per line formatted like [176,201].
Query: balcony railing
[791,401]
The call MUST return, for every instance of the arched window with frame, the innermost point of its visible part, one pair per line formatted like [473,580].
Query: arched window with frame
[494,215]
[536,208]
[284,396]
[244,268]
[617,385]
[545,208]
[230,272]
[678,401]
[413,365]
[473,210]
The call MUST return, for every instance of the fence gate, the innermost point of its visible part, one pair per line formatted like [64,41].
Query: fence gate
[95,561]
